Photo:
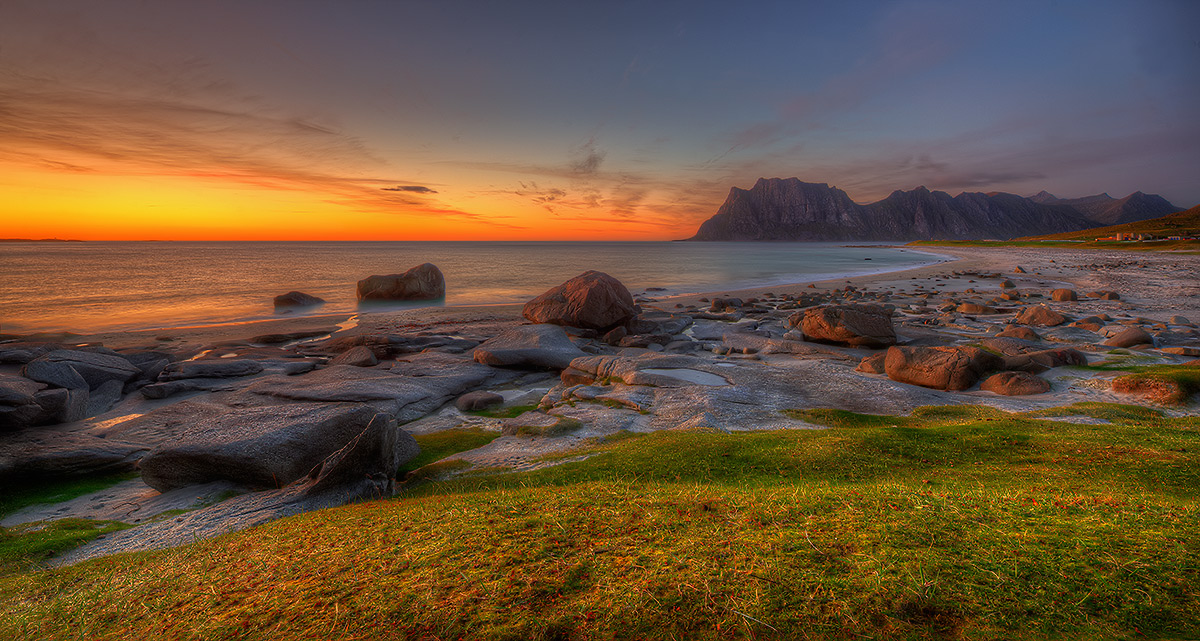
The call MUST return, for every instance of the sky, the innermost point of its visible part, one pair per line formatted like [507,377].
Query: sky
[587,120]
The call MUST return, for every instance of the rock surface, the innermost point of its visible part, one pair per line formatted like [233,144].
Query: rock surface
[1040,316]
[539,346]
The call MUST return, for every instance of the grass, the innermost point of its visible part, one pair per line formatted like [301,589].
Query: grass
[14,496]
[1184,223]
[955,522]
[1161,245]
[26,546]
[438,445]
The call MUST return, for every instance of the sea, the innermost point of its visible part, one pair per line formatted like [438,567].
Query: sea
[90,287]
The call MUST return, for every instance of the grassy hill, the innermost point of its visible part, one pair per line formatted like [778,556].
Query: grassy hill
[955,522]
[1184,223]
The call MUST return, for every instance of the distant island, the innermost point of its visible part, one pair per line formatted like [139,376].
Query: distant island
[788,209]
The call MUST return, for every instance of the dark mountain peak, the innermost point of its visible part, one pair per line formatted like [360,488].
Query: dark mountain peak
[791,209]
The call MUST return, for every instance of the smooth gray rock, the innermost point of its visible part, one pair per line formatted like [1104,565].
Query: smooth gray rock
[538,346]
[95,368]
[268,446]
[1129,337]
[214,368]
[415,386]
[55,374]
[156,391]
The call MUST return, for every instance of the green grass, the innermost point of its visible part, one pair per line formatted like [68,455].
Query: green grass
[14,496]
[955,522]
[438,445]
[1164,245]
[25,546]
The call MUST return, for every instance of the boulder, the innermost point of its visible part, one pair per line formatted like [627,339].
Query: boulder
[1129,337]
[538,346]
[1064,295]
[61,405]
[478,400]
[423,282]
[1040,316]
[1105,295]
[592,300]
[855,325]
[17,390]
[1179,320]
[95,368]
[360,356]
[292,300]
[946,368]
[367,465]
[1015,384]
[268,446]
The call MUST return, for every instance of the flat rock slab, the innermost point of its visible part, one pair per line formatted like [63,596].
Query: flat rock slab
[31,454]
[539,346]
[128,501]
[268,446]
[409,391]
[95,368]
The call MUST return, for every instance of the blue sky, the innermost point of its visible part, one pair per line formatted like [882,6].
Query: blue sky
[631,119]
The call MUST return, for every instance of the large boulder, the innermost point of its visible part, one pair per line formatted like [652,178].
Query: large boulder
[1040,316]
[95,368]
[23,352]
[591,300]
[946,368]
[538,346]
[293,300]
[423,282]
[1063,295]
[267,446]
[25,403]
[1015,384]
[855,325]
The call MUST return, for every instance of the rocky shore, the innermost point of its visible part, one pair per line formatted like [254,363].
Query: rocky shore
[230,426]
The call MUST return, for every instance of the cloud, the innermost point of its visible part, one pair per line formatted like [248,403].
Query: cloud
[586,158]
[418,189]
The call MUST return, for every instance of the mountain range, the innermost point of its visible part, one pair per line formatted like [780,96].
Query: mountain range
[792,210]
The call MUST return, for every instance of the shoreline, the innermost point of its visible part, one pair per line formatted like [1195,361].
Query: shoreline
[1047,267]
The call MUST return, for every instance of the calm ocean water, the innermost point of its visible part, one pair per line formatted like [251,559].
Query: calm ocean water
[121,285]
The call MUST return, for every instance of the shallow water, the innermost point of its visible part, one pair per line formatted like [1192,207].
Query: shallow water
[123,285]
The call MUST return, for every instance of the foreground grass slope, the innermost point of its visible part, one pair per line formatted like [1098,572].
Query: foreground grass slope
[958,522]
